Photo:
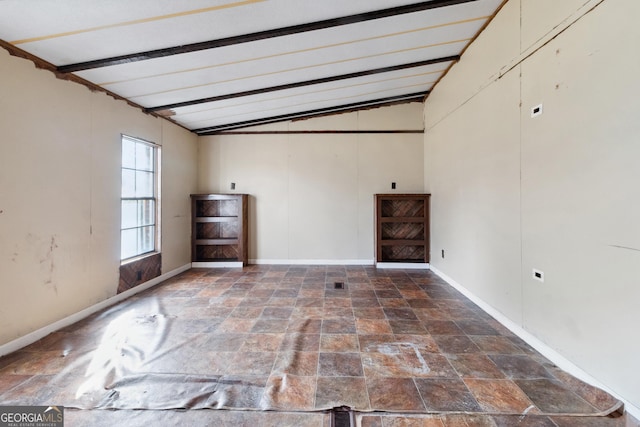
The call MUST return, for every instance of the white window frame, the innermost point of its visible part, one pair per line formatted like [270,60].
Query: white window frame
[156,149]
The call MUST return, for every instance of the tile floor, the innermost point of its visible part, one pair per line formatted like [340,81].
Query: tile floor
[401,347]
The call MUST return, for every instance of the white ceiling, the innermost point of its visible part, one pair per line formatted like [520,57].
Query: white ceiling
[217,65]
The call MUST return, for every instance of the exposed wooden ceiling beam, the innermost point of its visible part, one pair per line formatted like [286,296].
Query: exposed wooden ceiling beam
[260,35]
[381,102]
[305,83]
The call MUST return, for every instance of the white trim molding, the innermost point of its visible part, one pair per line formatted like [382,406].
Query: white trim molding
[312,261]
[216,264]
[404,265]
[34,336]
[544,349]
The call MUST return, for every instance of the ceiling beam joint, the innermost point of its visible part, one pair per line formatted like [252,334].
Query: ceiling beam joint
[305,83]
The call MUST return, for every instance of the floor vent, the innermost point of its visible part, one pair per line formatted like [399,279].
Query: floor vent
[338,285]
[342,417]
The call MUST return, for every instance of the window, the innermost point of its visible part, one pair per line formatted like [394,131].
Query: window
[139,229]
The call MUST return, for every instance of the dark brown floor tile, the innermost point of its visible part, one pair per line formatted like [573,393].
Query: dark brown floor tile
[253,302]
[385,365]
[394,394]
[551,397]
[310,302]
[300,363]
[429,314]
[467,420]
[364,302]
[520,421]
[412,421]
[284,392]
[246,312]
[262,342]
[281,302]
[223,342]
[334,392]
[387,293]
[35,391]
[475,366]
[338,326]
[285,293]
[315,293]
[368,313]
[270,326]
[520,366]
[39,363]
[337,312]
[304,326]
[442,327]
[370,421]
[393,303]
[261,293]
[455,344]
[338,302]
[339,343]
[307,313]
[588,421]
[476,327]
[438,365]
[400,314]
[372,326]
[340,365]
[496,345]
[7,382]
[423,342]
[300,342]
[364,294]
[407,327]
[421,303]
[234,325]
[596,397]
[276,312]
[412,293]
[446,395]
[371,343]
[500,396]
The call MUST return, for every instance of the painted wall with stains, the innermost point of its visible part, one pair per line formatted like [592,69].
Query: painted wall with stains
[558,192]
[60,191]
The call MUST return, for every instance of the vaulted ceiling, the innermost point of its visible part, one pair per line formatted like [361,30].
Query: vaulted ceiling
[216,65]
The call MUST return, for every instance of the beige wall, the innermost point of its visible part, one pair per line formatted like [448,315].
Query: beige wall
[559,192]
[312,194]
[60,190]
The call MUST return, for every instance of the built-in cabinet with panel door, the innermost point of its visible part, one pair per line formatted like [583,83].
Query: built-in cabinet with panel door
[219,226]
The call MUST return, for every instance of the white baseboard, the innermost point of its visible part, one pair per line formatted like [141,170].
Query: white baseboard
[312,261]
[221,264]
[404,265]
[34,336]
[558,359]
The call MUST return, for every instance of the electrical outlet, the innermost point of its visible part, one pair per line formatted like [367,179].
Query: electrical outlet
[442,253]
[233,185]
[393,185]
[536,111]
[538,275]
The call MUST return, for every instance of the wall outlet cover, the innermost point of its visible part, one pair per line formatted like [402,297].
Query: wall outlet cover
[538,275]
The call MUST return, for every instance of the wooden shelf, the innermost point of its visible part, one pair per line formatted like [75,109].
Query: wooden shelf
[402,228]
[219,228]
[216,219]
